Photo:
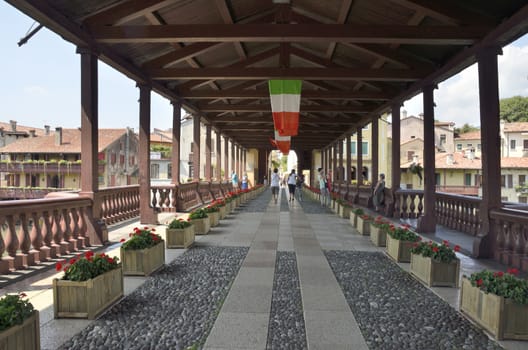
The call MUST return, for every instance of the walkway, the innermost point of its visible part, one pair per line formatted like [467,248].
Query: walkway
[286,276]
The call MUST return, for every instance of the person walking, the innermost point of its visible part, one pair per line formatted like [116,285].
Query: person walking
[245,181]
[292,182]
[275,184]
[378,195]
[299,184]
[323,187]
[234,180]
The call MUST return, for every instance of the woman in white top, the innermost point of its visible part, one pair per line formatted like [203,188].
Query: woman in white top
[292,183]
[323,187]
[275,184]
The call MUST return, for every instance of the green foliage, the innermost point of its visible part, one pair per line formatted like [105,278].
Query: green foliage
[87,267]
[438,252]
[164,150]
[514,109]
[212,209]
[142,239]
[502,284]
[14,310]
[403,233]
[179,223]
[198,214]
[284,163]
[358,211]
[466,128]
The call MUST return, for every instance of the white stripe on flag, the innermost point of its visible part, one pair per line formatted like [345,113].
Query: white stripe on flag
[285,103]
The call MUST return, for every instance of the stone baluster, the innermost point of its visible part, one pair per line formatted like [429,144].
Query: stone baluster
[12,243]
[66,231]
[25,241]
[35,235]
[47,234]
[57,233]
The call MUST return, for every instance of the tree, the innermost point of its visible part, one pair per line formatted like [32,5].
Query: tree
[466,128]
[514,109]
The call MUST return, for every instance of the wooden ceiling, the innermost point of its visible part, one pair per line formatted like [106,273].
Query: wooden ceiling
[356,57]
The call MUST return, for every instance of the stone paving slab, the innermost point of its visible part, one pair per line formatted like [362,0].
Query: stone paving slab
[235,330]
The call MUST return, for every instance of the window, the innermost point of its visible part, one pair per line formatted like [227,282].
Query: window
[510,181]
[121,159]
[410,155]
[504,199]
[525,144]
[365,149]
[479,146]
[467,179]
[169,171]
[523,200]
[437,179]
[512,144]
[113,158]
[353,148]
[522,179]
[503,181]
[443,139]
[154,171]
[459,147]
[469,145]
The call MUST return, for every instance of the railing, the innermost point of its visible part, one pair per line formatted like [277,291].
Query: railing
[28,193]
[204,188]
[463,190]
[46,167]
[118,203]
[511,232]
[408,204]
[458,212]
[34,231]
[188,196]
[164,197]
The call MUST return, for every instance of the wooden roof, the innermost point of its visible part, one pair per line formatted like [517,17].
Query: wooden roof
[356,57]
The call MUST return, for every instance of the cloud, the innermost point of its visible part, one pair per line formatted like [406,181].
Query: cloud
[35,90]
[457,99]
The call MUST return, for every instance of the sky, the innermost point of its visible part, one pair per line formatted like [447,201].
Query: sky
[40,83]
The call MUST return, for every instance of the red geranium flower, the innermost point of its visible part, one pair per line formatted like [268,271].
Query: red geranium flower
[457,248]
[72,261]
[58,266]
[445,242]
[122,240]
[435,249]
[513,271]
[479,282]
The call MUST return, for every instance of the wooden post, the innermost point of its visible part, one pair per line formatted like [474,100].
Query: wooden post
[348,159]
[176,135]
[427,222]
[359,153]
[395,165]
[484,244]
[218,173]
[208,173]
[341,173]
[196,148]
[374,132]
[146,212]
[226,158]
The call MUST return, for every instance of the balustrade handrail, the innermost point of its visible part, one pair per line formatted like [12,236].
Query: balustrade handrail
[42,204]
[512,215]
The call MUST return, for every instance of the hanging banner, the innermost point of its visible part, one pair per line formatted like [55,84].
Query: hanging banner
[282,144]
[285,98]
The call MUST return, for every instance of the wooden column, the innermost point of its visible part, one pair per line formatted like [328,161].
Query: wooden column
[262,165]
[208,174]
[196,148]
[96,229]
[218,150]
[395,165]
[237,160]
[334,165]
[374,151]
[146,212]
[484,244]
[341,174]
[233,164]
[226,158]
[427,222]
[176,135]
[359,161]
[348,159]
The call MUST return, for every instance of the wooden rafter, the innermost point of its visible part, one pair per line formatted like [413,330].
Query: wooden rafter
[126,11]
[238,93]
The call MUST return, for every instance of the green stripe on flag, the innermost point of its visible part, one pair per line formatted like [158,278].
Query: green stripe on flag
[285,87]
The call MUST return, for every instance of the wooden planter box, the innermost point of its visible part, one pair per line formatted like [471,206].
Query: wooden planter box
[201,226]
[378,236]
[180,237]
[434,273]
[25,336]
[400,251]
[142,262]
[353,219]
[223,212]
[89,298]
[344,211]
[363,226]
[503,318]
[214,218]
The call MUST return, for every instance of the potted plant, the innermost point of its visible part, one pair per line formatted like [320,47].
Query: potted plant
[200,220]
[179,234]
[363,224]
[357,212]
[344,208]
[498,302]
[143,253]
[213,212]
[19,323]
[399,243]
[221,205]
[435,264]
[378,231]
[90,284]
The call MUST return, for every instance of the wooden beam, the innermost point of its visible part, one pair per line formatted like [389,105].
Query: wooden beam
[343,14]
[220,107]
[287,73]
[308,94]
[381,34]
[127,11]
[180,54]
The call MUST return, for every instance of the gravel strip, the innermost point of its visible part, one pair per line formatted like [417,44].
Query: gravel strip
[286,327]
[284,199]
[311,206]
[257,205]
[394,311]
[174,309]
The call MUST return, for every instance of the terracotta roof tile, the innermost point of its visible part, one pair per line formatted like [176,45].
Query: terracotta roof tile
[71,142]
[459,161]
[514,162]
[472,135]
[516,127]
[22,128]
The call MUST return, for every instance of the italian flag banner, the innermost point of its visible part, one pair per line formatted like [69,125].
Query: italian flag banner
[285,98]
[282,144]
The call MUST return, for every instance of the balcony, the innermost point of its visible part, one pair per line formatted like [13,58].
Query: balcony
[43,167]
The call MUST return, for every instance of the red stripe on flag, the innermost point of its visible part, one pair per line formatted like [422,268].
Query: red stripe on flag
[286,123]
